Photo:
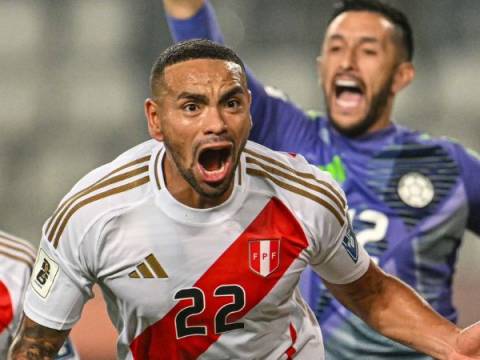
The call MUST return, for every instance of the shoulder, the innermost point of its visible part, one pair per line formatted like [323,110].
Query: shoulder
[422,144]
[16,252]
[305,187]
[424,139]
[137,157]
[120,183]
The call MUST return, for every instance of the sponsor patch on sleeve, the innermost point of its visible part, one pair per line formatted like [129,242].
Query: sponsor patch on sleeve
[44,274]
[350,244]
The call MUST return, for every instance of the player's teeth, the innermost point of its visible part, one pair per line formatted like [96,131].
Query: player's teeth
[350,83]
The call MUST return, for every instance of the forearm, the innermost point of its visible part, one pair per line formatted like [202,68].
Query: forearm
[36,342]
[402,315]
[396,311]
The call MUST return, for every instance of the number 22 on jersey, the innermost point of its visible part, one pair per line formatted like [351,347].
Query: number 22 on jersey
[197,306]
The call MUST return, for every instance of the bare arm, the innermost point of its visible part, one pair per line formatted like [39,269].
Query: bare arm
[396,311]
[35,341]
[182,9]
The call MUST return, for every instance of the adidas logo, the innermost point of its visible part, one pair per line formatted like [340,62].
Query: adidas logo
[150,268]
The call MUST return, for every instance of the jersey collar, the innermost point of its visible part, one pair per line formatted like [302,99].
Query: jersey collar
[180,212]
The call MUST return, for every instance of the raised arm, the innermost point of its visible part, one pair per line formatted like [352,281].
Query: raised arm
[192,19]
[35,341]
[277,123]
[182,9]
[396,311]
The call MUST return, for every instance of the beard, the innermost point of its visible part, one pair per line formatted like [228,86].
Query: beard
[379,102]
[213,191]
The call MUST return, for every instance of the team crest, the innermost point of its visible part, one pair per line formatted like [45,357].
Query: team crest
[416,190]
[264,256]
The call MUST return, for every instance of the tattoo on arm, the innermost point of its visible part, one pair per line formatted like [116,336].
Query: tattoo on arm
[35,341]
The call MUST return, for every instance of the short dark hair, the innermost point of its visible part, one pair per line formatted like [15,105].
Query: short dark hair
[395,16]
[190,50]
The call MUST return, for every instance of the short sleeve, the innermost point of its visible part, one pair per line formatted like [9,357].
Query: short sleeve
[344,260]
[337,256]
[61,283]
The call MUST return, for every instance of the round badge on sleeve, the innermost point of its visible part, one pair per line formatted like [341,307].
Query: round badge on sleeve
[415,190]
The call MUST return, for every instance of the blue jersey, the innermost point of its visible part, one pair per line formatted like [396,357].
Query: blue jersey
[411,198]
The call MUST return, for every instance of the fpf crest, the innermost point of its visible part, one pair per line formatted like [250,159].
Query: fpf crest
[264,256]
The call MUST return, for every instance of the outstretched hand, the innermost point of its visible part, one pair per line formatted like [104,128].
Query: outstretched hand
[468,344]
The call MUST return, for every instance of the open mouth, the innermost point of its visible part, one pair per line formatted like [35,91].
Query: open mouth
[348,93]
[215,163]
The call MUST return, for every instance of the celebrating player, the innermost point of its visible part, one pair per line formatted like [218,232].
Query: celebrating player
[198,239]
[16,262]
[410,196]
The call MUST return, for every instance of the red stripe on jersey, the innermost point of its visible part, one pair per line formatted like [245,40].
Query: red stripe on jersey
[291,350]
[6,307]
[159,341]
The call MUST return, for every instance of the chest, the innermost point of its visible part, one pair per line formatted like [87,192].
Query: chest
[211,273]
[400,194]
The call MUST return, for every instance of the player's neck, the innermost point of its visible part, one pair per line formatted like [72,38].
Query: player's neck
[184,193]
[384,119]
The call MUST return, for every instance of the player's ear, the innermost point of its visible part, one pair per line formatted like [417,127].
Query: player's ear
[249,98]
[319,69]
[404,75]
[152,113]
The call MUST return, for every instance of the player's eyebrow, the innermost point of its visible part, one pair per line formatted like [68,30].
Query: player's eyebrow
[363,39]
[236,90]
[199,98]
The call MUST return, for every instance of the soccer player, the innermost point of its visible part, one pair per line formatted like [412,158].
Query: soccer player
[411,197]
[16,262]
[198,239]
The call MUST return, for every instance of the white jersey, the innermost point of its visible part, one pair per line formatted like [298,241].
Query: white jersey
[184,283]
[16,261]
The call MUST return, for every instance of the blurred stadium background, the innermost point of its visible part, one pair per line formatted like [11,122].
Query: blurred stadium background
[74,75]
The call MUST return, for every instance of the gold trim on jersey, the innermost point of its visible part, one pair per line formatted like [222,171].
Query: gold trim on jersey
[150,268]
[99,196]
[157,171]
[157,176]
[17,243]
[239,173]
[17,249]
[98,184]
[340,216]
[305,175]
[277,172]
[18,258]
[103,184]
